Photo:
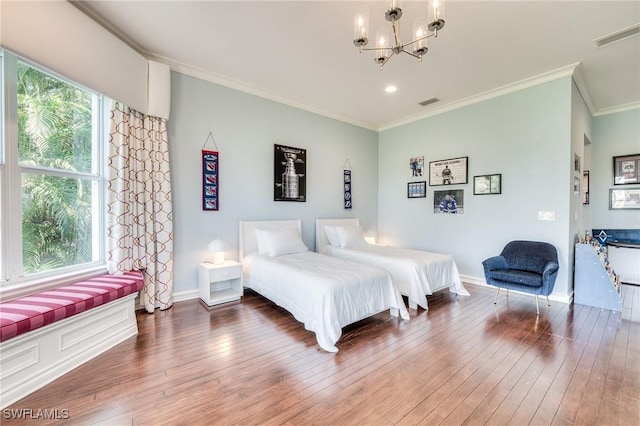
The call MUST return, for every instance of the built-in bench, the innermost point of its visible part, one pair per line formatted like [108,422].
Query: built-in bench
[47,334]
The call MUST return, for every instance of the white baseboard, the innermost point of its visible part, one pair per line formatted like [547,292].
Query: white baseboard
[556,297]
[185,295]
[34,359]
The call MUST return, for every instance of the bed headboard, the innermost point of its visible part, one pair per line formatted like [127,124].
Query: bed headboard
[321,236]
[248,239]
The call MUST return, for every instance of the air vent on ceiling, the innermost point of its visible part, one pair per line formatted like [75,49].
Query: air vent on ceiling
[618,35]
[429,101]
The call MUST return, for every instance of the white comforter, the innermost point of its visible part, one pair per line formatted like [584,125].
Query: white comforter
[415,273]
[322,292]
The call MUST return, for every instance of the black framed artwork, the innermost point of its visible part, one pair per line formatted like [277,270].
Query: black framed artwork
[289,173]
[448,172]
[417,189]
[487,184]
[625,169]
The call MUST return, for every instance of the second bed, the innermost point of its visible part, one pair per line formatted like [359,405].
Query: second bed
[415,273]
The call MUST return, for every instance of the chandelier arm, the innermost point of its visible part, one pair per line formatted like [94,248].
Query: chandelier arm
[396,33]
[413,54]
[417,40]
[378,48]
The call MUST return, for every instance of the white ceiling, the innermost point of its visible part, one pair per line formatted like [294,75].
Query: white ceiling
[301,52]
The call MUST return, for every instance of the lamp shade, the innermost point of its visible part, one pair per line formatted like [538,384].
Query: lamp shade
[217,247]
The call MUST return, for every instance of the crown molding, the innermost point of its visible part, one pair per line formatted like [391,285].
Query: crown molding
[621,108]
[202,74]
[565,71]
[582,82]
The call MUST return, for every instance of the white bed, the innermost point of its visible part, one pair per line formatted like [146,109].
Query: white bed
[322,292]
[415,273]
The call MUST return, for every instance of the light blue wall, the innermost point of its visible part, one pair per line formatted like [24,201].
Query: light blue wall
[530,137]
[245,128]
[613,135]
[525,136]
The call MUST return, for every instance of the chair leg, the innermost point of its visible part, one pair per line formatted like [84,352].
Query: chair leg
[537,306]
[495,301]
[507,293]
[548,303]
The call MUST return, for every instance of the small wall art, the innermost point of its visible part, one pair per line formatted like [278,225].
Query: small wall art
[347,189]
[289,173]
[625,169]
[449,202]
[448,172]
[210,180]
[487,184]
[210,175]
[417,189]
[585,187]
[624,199]
[416,165]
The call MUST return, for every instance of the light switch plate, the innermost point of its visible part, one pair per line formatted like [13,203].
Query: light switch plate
[542,215]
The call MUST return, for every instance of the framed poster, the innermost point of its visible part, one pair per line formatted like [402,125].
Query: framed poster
[448,172]
[289,173]
[487,184]
[624,199]
[210,182]
[450,202]
[625,169]
[417,189]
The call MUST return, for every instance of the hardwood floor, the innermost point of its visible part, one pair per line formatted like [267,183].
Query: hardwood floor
[465,361]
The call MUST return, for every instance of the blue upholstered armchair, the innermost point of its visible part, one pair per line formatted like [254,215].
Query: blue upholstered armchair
[527,266]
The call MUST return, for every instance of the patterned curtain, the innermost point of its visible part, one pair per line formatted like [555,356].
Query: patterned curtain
[139,210]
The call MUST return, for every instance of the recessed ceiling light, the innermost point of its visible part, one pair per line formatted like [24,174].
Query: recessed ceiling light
[390,89]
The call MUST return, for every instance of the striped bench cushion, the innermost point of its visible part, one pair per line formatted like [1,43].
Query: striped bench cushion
[30,312]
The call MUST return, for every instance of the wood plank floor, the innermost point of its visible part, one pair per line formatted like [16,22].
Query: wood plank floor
[465,361]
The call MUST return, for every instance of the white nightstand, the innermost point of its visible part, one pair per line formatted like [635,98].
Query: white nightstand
[220,283]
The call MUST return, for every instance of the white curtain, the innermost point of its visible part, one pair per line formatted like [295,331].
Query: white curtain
[139,209]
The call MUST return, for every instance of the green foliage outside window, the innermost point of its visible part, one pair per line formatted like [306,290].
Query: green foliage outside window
[56,154]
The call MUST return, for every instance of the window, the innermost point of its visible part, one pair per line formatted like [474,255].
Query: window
[51,174]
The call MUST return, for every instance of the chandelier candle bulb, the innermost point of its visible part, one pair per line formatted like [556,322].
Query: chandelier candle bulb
[394,12]
[383,45]
[436,17]
[420,28]
[361,26]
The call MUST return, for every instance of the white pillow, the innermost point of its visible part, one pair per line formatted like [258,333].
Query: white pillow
[351,237]
[332,235]
[277,242]
[262,242]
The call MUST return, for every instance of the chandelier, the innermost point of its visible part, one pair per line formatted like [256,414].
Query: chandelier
[388,45]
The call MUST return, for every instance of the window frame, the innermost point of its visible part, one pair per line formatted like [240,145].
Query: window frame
[13,281]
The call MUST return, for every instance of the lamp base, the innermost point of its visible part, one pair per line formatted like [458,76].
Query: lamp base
[218,258]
